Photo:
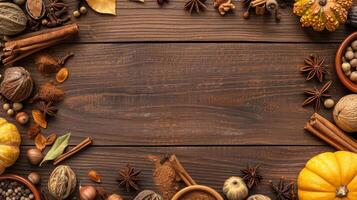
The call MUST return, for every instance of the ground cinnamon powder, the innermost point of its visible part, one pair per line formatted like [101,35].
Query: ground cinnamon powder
[165,177]
[197,195]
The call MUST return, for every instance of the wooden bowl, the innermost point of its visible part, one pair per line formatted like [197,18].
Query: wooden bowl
[24,181]
[192,188]
[338,63]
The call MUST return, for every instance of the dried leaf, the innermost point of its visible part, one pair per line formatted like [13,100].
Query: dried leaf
[39,118]
[40,142]
[51,139]
[34,8]
[33,131]
[94,176]
[62,75]
[58,147]
[103,6]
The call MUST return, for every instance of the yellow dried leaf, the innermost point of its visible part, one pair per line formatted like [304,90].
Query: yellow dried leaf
[39,118]
[51,139]
[62,75]
[94,176]
[103,6]
[40,142]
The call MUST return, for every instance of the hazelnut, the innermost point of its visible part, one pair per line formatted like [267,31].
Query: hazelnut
[22,117]
[353,62]
[353,76]
[34,156]
[329,103]
[34,177]
[346,67]
[349,55]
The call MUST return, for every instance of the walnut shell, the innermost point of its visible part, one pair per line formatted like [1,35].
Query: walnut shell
[345,114]
[12,19]
[148,195]
[17,84]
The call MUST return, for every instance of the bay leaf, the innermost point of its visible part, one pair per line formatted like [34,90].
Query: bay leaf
[57,148]
[34,8]
[103,6]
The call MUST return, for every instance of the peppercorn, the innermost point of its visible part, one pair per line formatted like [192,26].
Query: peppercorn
[76,13]
[10,112]
[83,10]
[6,106]
[329,103]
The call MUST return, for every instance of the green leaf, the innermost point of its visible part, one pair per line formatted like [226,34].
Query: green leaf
[57,148]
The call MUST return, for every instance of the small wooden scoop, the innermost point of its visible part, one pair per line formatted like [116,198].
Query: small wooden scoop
[191,184]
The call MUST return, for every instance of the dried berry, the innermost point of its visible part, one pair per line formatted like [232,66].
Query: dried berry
[17,84]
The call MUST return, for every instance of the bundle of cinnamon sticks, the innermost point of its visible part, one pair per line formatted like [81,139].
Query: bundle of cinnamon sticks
[26,45]
[331,134]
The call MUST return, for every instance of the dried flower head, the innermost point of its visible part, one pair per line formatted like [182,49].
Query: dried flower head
[316,96]
[128,178]
[48,109]
[251,176]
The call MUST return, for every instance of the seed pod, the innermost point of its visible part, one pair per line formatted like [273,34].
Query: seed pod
[17,84]
[12,19]
[148,195]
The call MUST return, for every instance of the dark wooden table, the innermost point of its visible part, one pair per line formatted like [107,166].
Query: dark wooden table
[221,93]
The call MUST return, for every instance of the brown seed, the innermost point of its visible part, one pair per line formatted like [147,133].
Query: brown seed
[39,118]
[62,75]
[34,177]
[94,176]
[34,156]
[22,117]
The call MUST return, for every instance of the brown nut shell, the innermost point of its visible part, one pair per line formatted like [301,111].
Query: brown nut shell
[17,84]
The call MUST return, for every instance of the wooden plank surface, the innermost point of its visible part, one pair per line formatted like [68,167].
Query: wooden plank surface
[173,94]
[148,22]
[207,165]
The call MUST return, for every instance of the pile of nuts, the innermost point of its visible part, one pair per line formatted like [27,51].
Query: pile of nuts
[15,108]
[13,190]
[349,62]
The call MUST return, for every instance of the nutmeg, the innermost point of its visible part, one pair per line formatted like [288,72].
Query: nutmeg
[258,197]
[148,195]
[17,84]
[22,117]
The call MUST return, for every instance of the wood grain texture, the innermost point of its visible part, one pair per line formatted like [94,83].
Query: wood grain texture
[148,22]
[187,94]
[207,165]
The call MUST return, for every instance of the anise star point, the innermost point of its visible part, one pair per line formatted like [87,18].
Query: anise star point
[251,176]
[195,5]
[48,109]
[316,96]
[283,190]
[314,67]
[128,178]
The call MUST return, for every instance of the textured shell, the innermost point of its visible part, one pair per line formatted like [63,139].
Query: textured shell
[235,189]
[352,17]
[148,195]
[10,141]
[345,114]
[326,172]
[17,84]
[12,19]
[258,197]
[62,182]
[329,16]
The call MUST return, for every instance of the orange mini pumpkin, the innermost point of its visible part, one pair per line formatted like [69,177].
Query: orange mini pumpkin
[322,14]
[329,176]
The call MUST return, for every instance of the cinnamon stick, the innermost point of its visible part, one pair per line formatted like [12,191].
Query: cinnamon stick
[336,130]
[323,137]
[181,171]
[74,150]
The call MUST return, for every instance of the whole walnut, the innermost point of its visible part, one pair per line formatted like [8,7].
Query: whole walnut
[17,84]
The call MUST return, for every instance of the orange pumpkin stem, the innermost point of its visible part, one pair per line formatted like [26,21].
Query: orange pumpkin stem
[341,191]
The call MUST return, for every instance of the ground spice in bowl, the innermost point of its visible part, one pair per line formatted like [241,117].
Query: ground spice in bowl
[14,190]
[197,195]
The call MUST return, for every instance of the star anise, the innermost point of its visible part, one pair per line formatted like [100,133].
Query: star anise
[317,95]
[195,5]
[161,2]
[128,178]
[48,109]
[284,191]
[251,176]
[315,67]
